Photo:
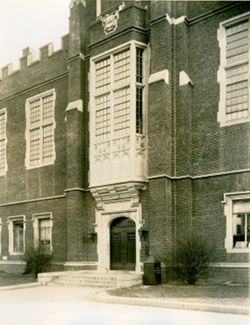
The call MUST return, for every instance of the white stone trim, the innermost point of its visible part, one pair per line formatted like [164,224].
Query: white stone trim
[33,200]
[87,263]
[230,172]
[0,236]
[221,74]
[27,131]
[8,262]
[162,75]
[113,50]
[34,56]
[175,21]
[77,104]
[102,228]
[36,217]
[10,69]
[4,171]
[98,7]
[112,202]
[10,221]
[184,79]
[72,189]
[230,265]
[83,2]
[229,199]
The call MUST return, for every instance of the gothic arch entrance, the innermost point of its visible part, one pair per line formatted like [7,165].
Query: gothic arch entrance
[122,244]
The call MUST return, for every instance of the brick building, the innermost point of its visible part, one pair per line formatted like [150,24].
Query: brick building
[132,134]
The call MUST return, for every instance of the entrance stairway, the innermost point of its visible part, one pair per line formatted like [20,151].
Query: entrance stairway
[110,279]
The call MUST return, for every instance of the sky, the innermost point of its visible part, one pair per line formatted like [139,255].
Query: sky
[30,23]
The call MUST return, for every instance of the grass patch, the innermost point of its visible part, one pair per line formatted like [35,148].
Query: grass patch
[230,294]
[7,279]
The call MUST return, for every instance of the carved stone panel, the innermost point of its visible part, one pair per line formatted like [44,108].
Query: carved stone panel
[121,147]
[102,151]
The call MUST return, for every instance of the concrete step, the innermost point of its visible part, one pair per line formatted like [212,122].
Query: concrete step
[112,279]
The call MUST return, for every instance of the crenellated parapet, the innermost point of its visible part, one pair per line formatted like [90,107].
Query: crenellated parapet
[32,57]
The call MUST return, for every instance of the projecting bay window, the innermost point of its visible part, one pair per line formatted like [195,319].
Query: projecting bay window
[119,90]
[234,73]
[3,141]
[40,126]
[117,139]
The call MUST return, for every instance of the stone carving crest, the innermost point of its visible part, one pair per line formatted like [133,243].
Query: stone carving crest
[110,22]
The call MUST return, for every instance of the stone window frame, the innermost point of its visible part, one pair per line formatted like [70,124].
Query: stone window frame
[10,221]
[3,139]
[229,200]
[221,75]
[36,217]
[28,164]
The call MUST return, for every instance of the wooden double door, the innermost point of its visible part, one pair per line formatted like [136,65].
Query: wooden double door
[122,244]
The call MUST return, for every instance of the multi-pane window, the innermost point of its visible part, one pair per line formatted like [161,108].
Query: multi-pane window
[45,233]
[139,90]
[3,141]
[121,111]
[114,85]
[234,38]
[16,235]
[241,224]
[237,212]
[42,224]
[237,70]
[103,120]
[40,130]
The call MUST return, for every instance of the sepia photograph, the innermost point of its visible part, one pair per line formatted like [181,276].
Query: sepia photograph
[124,162]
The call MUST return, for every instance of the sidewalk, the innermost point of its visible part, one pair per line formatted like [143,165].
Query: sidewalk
[235,305]
[173,303]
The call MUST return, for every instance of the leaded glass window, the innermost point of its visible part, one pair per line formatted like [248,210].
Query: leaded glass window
[237,71]
[114,85]
[3,141]
[40,130]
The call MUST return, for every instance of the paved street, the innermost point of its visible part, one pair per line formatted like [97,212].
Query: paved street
[68,306]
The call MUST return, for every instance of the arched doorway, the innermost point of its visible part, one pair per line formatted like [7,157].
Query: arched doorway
[122,244]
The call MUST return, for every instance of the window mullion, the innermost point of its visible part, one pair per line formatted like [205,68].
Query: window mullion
[245,228]
[248,66]
[133,91]
[41,130]
[112,90]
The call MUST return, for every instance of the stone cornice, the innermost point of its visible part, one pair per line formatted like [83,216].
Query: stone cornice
[117,193]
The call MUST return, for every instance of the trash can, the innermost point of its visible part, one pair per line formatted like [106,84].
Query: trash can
[152,271]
